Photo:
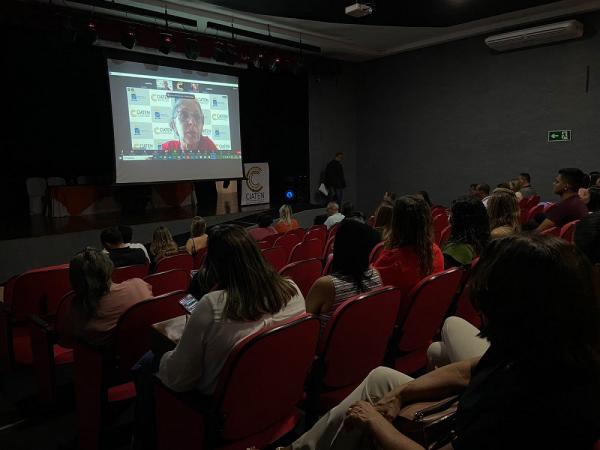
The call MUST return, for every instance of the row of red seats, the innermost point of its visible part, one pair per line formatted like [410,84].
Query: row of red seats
[256,407]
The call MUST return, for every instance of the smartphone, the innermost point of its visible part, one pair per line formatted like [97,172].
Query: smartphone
[189,303]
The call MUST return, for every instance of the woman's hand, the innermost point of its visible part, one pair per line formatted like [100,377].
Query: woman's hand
[389,406]
[362,414]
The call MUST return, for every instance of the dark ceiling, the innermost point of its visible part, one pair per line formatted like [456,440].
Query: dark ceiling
[407,13]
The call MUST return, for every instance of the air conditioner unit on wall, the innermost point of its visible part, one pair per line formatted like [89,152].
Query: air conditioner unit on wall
[529,37]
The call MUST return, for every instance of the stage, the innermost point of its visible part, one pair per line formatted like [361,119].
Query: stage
[36,241]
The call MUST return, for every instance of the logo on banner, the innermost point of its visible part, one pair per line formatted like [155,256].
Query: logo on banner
[219,116]
[139,113]
[253,184]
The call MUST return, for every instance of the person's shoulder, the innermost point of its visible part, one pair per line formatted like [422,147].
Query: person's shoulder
[207,144]
[170,146]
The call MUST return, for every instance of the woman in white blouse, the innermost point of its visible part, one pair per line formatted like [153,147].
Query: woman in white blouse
[250,295]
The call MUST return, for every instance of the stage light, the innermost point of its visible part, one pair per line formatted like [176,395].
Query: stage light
[191,48]
[166,43]
[89,35]
[226,53]
[129,39]
[274,65]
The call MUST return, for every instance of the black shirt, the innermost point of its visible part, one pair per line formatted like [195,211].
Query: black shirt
[508,405]
[334,175]
[127,256]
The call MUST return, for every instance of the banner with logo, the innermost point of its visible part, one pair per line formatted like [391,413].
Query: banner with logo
[255,188]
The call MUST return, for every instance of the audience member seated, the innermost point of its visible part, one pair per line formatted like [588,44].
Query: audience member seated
[587,231]
[286,221]
[198,236]
[536,387]
[527,189]
[120,253]
[425,196]
[583,190]
[162,244]
[482,192]
[383,219]
[515,186]
[410,253]
[594,178]
[390,196]
[333,215]
[264,228]
[351,273]
[470,232]
[566,185]
[460,341]
[99,302]
[127,233]
[504,213]
[251,295]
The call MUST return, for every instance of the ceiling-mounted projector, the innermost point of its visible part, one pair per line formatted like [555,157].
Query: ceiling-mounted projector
[543,34]
[359,10]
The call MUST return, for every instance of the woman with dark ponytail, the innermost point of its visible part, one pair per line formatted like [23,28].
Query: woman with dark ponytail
[351,274]
[99,302]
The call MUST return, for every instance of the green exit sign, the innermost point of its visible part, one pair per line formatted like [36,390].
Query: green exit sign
[559,135]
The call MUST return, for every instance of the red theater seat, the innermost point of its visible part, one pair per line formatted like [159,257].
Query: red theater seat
[125,273]
[304,273]
[256,396]
[169,281]
[275,256]
[180,261]
[351,346]
[199,257]
[567,232]
[101,381]
[306,250]
[35,292]
[419,318]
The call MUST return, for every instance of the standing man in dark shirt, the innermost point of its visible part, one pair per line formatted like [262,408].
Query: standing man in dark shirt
[119,252]
[571,207]
[334,178]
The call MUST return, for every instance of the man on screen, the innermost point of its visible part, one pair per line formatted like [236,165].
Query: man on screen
[187,122]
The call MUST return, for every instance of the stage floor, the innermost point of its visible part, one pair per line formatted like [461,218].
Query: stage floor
[40,225]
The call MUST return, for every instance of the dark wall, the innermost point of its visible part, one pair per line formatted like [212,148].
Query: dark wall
[444,117]
[59,115]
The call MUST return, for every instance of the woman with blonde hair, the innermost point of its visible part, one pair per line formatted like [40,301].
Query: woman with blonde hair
[162,244]
[286,220]
[198,236]
[503,211]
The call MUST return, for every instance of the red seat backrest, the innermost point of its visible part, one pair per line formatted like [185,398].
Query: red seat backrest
[199,257]
[333,230]
[263,378]
[306,250]
[317,233]
[180,261]
[276,256]
[300,232]
[38,291]
[422,312]
[553,231]
[328,267]
[440,222]
[567,232]
[63,321]
[288,242]
[466,310]
[263,245]
[375,252]
[445,235]
[272,238]
[355,339]
[437,209]
[133,327]
[304,273]
[328,247]
[533,211]
[125,273]
[169,281]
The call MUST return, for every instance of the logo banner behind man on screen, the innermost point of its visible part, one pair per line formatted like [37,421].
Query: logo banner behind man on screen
[255,188]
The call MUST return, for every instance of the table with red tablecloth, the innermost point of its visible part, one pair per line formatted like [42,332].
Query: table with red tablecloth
[88,199]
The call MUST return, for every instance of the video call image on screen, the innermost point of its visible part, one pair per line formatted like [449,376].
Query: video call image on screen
[169,114]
